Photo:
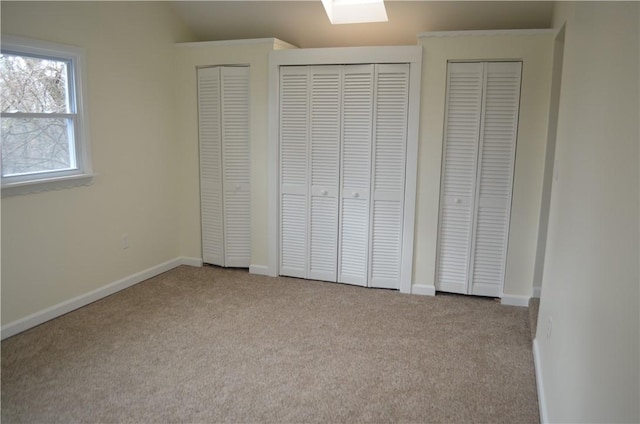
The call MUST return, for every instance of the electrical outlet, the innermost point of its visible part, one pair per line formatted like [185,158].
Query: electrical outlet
[549,327]
[125,241]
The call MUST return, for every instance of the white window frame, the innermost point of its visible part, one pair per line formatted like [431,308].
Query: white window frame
[82,174]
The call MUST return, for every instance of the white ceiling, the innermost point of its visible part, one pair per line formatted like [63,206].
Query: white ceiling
[305,24]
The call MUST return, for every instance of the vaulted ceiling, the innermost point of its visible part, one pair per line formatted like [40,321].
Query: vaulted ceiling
[305,24]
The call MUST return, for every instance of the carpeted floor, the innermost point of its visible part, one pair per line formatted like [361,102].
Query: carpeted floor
[534,308]
[220,345]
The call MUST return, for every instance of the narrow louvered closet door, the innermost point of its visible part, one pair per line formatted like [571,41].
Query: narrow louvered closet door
[495,176]
[210,135]
[462,127]
[324,161]
[223,124]
[357,118]
[294,140]
[388,174]
[235,161]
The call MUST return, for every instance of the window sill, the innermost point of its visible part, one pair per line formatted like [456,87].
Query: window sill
[48,184]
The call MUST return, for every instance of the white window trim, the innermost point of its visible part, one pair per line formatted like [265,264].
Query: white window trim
[57,180]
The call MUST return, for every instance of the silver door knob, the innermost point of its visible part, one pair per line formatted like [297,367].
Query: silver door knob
[458,201]
[324,192]
[355,194]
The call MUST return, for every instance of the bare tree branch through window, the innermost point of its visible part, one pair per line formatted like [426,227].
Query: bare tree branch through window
[34,92]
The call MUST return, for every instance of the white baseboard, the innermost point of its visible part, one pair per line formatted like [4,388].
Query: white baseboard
[423,289]
[185,260]
[55,311]
[259,269]
[536,292]
[515,300]
[542,404]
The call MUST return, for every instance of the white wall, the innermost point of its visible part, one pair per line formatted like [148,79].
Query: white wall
[61,244]
[549,158]
[589,366]
[536,53]
[254,53]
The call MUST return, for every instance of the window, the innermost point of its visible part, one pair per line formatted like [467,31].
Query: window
[43,116]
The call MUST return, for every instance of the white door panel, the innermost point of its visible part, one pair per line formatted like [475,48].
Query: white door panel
[388,174]
[324,123]
[234,83]
[357,121]
[223,125]
[294,140]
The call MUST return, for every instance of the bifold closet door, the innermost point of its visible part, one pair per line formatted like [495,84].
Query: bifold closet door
[373,174]
[310,108]
[479,152]
[223,120]
[343,133]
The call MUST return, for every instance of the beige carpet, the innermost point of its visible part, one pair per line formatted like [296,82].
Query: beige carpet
[219,345]
[534,308]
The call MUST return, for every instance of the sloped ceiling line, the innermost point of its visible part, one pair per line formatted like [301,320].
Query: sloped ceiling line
[305,23]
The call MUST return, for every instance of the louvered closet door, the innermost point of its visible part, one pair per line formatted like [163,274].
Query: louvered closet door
[462,126]
[357,119]
[495,176]
[324,125]
[235,165]
[210,134]
[294,140]
[388,163]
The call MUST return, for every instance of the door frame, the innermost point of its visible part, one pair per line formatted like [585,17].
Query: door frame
[346,56]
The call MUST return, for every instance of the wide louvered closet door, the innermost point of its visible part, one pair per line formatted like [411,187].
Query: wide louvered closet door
[388,172]
[357,125]
[479,152]
[294,141]
[324,124]
[223,103]
[343,134]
